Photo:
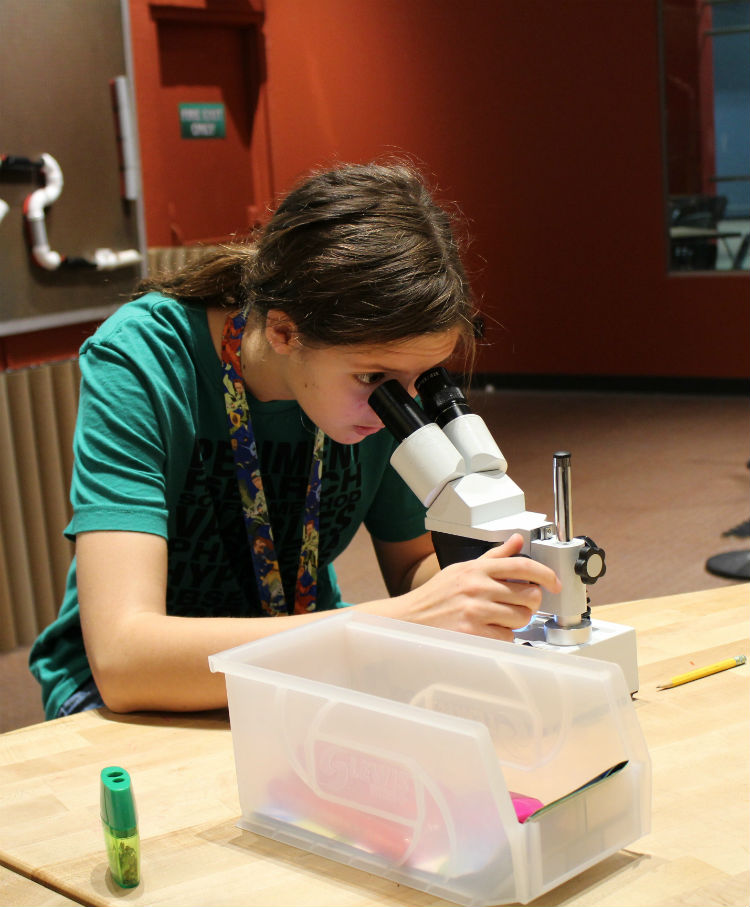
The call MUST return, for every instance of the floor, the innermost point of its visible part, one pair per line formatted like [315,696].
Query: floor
[657,479]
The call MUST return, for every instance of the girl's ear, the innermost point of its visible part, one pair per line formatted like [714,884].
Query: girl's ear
[281,332]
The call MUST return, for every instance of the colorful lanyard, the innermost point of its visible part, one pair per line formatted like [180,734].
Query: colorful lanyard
[254,504]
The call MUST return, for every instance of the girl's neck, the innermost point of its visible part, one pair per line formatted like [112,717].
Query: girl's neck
[261,366]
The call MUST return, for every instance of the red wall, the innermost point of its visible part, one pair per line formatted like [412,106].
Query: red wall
[197,51]
[542,119]
[688,81]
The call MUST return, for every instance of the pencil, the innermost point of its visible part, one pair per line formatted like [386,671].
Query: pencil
[704,672]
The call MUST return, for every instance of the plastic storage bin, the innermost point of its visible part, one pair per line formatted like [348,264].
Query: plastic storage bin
[399,749]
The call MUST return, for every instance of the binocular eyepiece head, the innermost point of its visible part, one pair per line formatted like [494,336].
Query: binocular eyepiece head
[442,401]
[444,407]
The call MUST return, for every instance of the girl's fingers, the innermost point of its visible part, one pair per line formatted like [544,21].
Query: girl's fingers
[510,547]
[506,565]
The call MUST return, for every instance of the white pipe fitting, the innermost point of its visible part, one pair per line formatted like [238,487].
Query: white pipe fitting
[108,260]
[33,210]
[104,259]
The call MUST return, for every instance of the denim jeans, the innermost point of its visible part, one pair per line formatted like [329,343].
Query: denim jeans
[85,697]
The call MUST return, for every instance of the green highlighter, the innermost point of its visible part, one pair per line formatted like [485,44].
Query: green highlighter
[117,808]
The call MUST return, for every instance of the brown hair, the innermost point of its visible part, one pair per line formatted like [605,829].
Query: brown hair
[356,254]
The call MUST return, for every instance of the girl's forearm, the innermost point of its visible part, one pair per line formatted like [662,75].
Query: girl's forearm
[160,662]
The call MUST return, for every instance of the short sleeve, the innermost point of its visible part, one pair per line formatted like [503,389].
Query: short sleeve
[131,433]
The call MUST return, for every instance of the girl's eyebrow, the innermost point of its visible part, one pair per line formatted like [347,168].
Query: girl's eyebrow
[364,364]
[369,365]
[389,369]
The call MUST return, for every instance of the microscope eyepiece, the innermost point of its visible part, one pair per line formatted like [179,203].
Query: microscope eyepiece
[424,458]
[400,414]
[443,400]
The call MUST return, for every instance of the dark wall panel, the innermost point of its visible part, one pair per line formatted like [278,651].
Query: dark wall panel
[55,69]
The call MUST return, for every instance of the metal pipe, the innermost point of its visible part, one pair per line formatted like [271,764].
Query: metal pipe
[563,517]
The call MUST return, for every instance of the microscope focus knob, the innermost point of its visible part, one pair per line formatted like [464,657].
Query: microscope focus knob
[590,564]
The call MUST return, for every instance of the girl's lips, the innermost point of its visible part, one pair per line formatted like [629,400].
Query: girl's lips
[367,429]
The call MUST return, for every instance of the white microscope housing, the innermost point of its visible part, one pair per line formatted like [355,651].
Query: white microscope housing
[449,459]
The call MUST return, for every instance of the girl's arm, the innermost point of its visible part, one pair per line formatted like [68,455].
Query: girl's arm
[491,595]
[143,658]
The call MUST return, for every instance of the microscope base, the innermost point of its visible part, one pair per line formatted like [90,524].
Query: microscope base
[609,642]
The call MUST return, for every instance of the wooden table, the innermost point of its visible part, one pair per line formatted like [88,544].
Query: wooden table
[19,891]
[193,853]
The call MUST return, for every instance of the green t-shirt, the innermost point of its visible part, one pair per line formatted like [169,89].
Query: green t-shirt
[152,455]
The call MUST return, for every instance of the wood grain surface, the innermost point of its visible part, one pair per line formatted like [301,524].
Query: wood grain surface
[19,891]
[193,853]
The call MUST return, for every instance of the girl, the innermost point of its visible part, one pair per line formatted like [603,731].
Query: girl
[226,453]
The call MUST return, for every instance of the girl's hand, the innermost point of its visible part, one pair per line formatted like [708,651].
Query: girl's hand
[491,595]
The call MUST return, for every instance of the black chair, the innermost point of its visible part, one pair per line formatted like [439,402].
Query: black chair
[695,253]
[739,259]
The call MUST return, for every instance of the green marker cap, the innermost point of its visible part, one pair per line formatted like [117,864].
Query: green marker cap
[117,806]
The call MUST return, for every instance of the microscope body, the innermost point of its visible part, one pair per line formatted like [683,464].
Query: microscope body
[464,523]
[451,462]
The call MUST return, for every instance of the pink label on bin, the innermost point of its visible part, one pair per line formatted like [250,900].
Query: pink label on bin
[361,779]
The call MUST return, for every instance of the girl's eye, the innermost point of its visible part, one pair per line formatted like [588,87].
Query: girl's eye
[370,377]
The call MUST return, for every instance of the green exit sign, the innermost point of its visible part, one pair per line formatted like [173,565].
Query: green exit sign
[202,121]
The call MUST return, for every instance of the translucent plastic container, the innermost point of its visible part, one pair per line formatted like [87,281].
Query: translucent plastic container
[405,751]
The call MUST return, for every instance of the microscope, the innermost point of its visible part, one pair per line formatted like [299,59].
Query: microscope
[449,459]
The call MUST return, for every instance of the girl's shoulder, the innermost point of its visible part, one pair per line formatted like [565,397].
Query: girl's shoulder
[149,321]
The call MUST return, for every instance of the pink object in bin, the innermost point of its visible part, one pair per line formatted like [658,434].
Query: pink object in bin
[525,806]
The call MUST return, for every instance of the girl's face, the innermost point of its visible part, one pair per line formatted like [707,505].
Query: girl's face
[332,384]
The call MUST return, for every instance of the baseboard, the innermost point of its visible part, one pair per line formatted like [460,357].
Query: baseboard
[622,383]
